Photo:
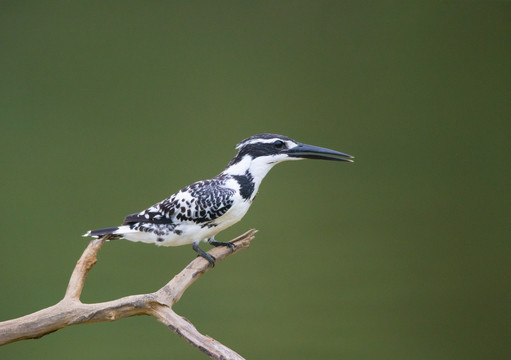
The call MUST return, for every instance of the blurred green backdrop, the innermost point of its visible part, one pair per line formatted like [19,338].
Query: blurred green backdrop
[108,107]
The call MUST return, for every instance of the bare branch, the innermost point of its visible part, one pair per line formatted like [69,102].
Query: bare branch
[82,268]
[71,311]
[186,330]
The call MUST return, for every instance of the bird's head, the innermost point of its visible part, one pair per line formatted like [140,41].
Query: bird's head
[263,151]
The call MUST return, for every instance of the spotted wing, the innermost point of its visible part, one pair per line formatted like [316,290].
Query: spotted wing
[200,202]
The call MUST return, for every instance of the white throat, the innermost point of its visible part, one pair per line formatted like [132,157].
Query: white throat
[258,167]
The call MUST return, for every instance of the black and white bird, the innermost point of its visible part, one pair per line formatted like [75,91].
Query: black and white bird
[201,210]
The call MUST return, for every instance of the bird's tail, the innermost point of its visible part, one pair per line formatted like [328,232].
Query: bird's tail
[102,232]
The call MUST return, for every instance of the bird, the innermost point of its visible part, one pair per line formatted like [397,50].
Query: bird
[201,210]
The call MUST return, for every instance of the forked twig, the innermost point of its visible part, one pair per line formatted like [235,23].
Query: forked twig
[71,311]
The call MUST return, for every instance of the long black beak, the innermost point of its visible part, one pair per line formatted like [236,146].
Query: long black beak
[305,151]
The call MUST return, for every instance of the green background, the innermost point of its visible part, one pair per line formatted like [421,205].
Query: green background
[109,107]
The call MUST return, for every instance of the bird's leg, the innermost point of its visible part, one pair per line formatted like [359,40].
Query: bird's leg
[215,243]
[204,254]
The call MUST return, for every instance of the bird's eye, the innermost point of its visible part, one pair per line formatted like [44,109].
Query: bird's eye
[278,144]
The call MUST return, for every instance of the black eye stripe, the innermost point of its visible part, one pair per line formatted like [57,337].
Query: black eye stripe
[257,149]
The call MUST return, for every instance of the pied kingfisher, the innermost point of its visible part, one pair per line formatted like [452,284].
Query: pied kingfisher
[201,210]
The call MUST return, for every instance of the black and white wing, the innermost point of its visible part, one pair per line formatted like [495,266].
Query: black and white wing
[200,202]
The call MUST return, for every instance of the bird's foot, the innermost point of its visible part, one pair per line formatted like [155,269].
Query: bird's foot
[215,243]
[203,254]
